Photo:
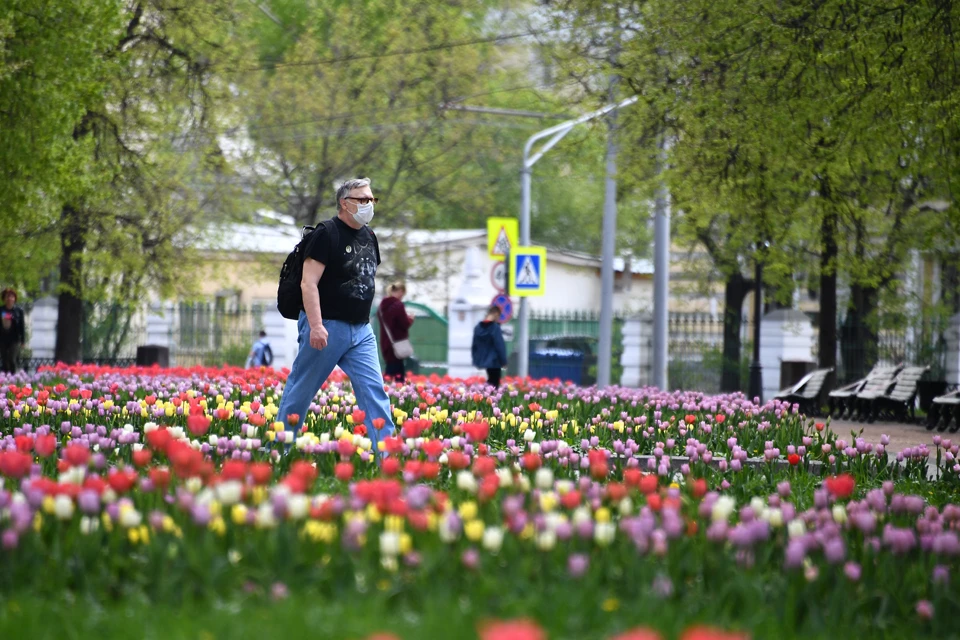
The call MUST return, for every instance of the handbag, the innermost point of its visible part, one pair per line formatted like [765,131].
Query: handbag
[403,349]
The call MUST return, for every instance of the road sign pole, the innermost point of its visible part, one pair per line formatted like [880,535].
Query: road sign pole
[523,324]
[661,278]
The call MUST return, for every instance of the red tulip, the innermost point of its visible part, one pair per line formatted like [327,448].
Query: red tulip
[159,439]
[76,455]
[45,446]
[457,460]
[512,630]
[478,431]
[840,486]
[343,471]
[649,483]
[701,632]
[699,488]
[532,461]
[391,466]
[15,464]
[433,448]
[24,443]
[142,457]
[198,425]
[160,477]
[234,470]
[261,472]
[122,481]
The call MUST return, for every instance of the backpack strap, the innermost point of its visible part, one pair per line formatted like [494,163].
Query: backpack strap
[334,233]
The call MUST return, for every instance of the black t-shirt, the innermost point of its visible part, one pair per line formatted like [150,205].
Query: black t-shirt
[347,284]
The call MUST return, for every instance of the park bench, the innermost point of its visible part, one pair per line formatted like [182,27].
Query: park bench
[896,400]
[944,410]
[842,400]
[806,392]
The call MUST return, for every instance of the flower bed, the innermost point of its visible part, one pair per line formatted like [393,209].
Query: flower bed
[179,486]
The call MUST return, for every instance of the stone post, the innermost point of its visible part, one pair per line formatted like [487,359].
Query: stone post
[43,327]
[786,335]
[637,351]
[467,308]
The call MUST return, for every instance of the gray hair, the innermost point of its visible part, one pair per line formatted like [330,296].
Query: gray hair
[345,187]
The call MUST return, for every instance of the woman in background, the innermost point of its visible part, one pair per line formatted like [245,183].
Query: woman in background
[395,325]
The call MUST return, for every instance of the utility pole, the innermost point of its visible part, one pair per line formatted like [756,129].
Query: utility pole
[661,274]
[756,370]
[608,249]
[556,134]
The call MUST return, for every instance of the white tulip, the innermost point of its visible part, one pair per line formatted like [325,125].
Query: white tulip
[63,507]
[796,528]
[389,543]
[543,479]
[466,481]
[839,513]
[298,506]
[603,533]
[492,539]
[722,509]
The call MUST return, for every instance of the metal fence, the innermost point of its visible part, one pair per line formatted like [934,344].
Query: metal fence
[695,351]
[212,334]
[923,343]
[563,344]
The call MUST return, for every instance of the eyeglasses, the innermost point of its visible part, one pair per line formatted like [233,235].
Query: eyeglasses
[363,200]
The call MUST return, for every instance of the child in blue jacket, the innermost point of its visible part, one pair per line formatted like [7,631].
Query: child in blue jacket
[488,349]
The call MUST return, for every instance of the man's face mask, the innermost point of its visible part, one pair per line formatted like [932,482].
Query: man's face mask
[364,213]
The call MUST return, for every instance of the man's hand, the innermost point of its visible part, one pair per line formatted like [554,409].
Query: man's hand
[318,337]
[410,318]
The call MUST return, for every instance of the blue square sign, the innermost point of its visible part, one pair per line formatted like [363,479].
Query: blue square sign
[527,271]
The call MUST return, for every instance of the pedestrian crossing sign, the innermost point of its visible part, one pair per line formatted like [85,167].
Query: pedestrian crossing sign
[502,236]
[528,267]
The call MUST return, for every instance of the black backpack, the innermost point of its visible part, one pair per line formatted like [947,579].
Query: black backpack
[289,296]
[267,356]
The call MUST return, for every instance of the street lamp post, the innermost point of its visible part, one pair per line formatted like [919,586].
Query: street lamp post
[556,133]
[756,371]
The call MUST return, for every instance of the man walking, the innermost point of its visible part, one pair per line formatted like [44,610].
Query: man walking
[12,331]
[261,355]
[339,266]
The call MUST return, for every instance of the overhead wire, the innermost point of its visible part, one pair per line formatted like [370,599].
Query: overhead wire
[405,52]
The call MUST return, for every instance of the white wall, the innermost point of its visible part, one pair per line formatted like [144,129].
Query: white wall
[569,287]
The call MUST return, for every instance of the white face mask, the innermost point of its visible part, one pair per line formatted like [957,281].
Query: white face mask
[364,213]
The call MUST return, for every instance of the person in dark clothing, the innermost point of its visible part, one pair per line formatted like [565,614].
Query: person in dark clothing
[395,325]
[12,331]
[488,349]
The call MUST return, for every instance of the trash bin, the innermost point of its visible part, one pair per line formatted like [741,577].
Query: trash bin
[565,364]
[153,354]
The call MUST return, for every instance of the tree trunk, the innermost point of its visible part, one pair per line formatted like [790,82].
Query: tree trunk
[734,293]
[827,356]
[70,311]
[859,340]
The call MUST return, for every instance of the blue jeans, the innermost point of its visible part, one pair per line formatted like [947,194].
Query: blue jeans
[353,347]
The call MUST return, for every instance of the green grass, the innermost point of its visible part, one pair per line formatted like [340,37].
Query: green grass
[564,612]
